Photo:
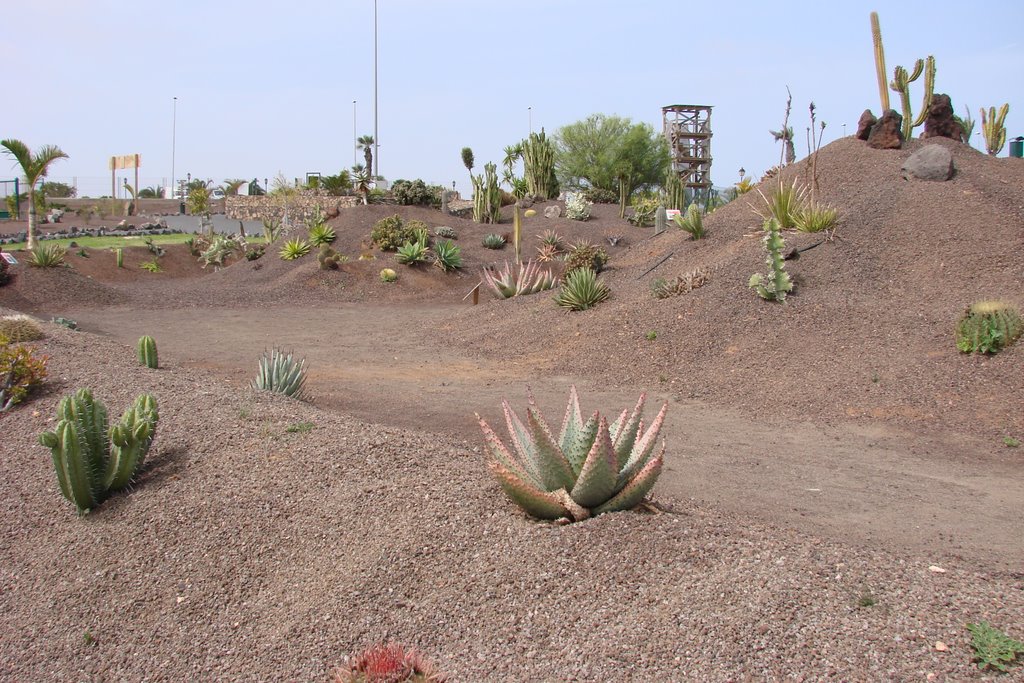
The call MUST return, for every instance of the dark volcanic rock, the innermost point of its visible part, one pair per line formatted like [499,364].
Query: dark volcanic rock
[940,122]
[886,134]
[864,124]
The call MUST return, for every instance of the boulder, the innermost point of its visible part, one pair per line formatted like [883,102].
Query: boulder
[931,162]
[552,211]
[940,122]
[864,124]
[886,134]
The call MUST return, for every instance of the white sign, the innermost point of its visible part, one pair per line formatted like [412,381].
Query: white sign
[9,258]
[672,213]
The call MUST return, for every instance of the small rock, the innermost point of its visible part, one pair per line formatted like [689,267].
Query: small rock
[887,133]
[552,212]
[941,646]
[931,162]
[864,124]
[935,569]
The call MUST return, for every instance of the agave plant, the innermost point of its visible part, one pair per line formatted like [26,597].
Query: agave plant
[592,467]
[321,233]
[411,253]
[47,255]
[530,278]
[494,241]
[281,373]
[581,290]
[294,248]
[447,255]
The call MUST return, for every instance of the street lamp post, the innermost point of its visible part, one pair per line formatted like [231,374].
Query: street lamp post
[355,137]
[376,135]
[174,142]
[529,113]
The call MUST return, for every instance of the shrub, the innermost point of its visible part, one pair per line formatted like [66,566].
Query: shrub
[91,460]
[494,241]
[598,195]
[294,248]
[20,372]
[391,663]
[281,373]
[411,253]
[321,234]
[992,647]
[47,256]
[644,209]
[681,284]
[388,275]
[528,279]
[446,232]
[581,290]
[255,253]
[776,284]
[220,249]
[577,207]
[151,266]
[692,222]
[20,328]
[392,232]
[583,254]
[784,204]
[815,217]
[447,255]
[592,468]
[416,193]
[988,327]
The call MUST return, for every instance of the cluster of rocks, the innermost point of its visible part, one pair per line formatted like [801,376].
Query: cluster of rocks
[932,162]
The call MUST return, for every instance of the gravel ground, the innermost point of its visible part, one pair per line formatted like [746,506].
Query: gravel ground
[250,553]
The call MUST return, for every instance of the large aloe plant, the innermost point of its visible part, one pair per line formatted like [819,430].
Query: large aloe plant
[591,468]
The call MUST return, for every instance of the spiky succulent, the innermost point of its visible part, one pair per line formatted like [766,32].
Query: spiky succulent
[988,327]
[447,255]
[530,278]
[20,328]
[388,275]
[390,663]
[591,468]
[552,238]
[321,233]
[494,241]
[446,232]
[294,248]
[411,253]
[281,373]
[47,256]
[547,253]
[581,290]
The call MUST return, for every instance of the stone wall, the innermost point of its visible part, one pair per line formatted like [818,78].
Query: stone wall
[300,208]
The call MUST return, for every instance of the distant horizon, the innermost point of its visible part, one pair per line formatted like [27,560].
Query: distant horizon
[456,73]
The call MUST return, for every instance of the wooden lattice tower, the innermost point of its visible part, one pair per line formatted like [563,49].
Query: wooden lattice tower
[687,128]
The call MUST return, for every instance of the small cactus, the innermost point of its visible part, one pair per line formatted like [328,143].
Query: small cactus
[119,257]
[391,663]
[776,284]
[20,328]
[147,352]
[327,257]
[988,327]
[388,275]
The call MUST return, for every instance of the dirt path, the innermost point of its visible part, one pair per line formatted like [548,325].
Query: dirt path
[941,494]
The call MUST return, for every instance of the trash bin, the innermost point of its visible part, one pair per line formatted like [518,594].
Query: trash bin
[181,208]
[1017,147]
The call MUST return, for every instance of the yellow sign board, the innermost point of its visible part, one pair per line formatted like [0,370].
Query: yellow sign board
[125,161]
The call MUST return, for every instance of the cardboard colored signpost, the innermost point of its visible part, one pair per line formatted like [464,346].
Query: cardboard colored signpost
[120,162]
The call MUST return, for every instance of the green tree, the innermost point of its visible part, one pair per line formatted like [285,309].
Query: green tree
[232,185]
[151,192]
[467,160]
[337,185]
[34,166]
[58,190]
[365,143]
[601,151]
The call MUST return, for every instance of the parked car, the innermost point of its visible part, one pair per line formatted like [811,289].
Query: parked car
[216,193]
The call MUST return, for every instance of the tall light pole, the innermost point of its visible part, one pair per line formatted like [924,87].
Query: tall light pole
[376,137]
[174,142]
[355,137]
[529,112]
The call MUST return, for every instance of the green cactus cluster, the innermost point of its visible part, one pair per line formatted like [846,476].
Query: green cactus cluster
[91,459]
[988,327]
[776,284]
[993,127]
[487,196]
[901,83]
[675,191]
[590,468]
[327,257]
[539,167]
[147,352]
[17,329]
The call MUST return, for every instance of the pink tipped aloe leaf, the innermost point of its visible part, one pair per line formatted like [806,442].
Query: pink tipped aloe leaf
[522,442]
[614,427]
[631,495]
[626,435]
[533,501]
[643,447]
[501,454]
[552,468]
[572,423]
[581,444]
[596,483]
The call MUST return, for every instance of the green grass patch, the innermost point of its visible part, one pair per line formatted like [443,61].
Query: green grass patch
[111,242]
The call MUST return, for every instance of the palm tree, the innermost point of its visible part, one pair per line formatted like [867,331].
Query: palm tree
[232,185]
[365,143]
[34,166]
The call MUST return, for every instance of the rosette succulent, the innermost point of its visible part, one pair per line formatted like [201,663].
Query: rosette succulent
[589,469]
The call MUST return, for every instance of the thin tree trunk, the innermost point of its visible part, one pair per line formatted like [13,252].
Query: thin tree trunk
[368,155]
[30,241]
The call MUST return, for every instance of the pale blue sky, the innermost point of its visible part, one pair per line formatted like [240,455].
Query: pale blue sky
[268,87]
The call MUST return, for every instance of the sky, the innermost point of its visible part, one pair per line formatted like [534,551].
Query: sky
[268,88]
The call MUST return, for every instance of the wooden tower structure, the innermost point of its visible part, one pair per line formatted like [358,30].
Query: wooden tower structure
[687,128]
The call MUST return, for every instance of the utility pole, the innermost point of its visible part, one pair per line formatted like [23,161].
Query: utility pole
[174,143]
[376,135]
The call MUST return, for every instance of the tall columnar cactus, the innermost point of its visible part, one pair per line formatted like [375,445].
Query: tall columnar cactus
[517,229]
[492,190]
[901,83]
[876,37]
[479,199]
[993,127]
[591,468]
[119,257]
[539,166]
[660,220]
[92,460]
[147,352]
[776,284]
[675,191]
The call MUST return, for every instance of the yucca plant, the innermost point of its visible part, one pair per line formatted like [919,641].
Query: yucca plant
[591,468]
[447,255]
[494,241]
[281,373]
[581,290]
[552,239]
[411,253]
[692,222]
[294,248]
[47,256]
[529,278]
[547,253]
[784,204]
[815,217]
[744,186]
[321,233]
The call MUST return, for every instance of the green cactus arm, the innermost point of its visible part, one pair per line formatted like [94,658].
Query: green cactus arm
[147,351]
[876,39]
[533,501]
[918,70]
[502,455]
[596,483]
[929,91]
[626,436]
[75,474]
[643,448]
[90,418]
[52,441]
[130,440]
[631,495]
[572,423]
